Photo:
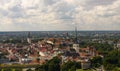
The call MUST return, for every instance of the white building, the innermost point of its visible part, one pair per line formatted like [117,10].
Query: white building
[118,46]
[76,47]
[29,40]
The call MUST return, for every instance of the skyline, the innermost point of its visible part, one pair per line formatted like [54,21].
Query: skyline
[59,15]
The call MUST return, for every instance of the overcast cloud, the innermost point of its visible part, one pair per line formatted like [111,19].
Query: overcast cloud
[48,15]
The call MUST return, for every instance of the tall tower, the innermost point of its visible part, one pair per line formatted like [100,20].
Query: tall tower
[76,38]
[76,45]
[29,38]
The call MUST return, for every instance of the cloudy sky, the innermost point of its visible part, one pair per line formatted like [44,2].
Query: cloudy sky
[48,15]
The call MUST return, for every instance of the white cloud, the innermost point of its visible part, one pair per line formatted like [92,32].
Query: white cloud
[25,15]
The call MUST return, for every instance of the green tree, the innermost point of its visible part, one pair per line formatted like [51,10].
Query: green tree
[43,67]
[54,64]
[112,60]
[67,66]
[51,65]
[102,48]
[73,68]
[97,61]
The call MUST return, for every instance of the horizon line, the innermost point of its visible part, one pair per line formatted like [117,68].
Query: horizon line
[60,30]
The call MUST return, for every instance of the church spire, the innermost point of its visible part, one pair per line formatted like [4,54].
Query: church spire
[29,38]
[76,34]
[29,35]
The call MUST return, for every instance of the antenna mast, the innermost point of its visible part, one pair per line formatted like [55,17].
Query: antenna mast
[76,39]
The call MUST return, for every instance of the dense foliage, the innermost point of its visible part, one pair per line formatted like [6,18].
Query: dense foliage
[112,60]
[51,65]
[96,61]
[55,65]
[70,66]
[102,48]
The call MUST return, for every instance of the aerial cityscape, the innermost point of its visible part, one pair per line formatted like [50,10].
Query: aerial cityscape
[59,35]
[31,50]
